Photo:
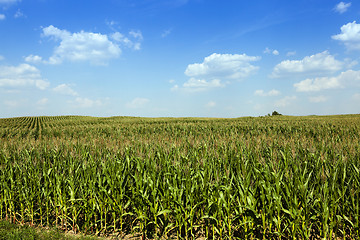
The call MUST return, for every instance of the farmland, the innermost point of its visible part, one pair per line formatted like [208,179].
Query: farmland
[246,178]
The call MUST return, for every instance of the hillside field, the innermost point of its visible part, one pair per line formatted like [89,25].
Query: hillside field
[277,177]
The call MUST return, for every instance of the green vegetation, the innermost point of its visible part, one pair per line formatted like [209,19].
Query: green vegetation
[11,231]
[247,178]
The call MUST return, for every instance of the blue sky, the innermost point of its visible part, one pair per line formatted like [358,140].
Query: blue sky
[179,58]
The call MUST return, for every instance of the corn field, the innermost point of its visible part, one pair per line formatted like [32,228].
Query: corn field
[184,178]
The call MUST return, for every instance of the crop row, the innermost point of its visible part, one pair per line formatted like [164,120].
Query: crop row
[247,178]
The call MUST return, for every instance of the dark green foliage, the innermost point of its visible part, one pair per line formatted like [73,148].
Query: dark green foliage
[275,113]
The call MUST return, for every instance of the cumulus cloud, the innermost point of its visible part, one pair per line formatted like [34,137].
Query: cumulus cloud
[344,79]
[65,89]
[137,103]
[286,101]
[342,7]
[349,36]
[223,66]
[318,99]
[23,75]
[81,46]
[33,59]
[319,63]
[2,17]
[270,93]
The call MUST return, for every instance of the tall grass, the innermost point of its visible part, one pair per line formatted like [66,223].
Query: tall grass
[246,178]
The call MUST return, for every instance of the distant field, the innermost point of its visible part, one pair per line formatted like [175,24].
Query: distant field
[247,178]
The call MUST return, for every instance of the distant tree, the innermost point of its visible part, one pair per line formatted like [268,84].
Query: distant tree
[275,113]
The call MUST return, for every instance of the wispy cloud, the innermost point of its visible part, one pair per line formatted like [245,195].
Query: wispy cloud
[42,101]
[65,89]
[134,42]
[270,51]
[211,104]
[166,33]
[8,2]
[86,103]
[199,85]
[342,7]
[137,103]
[19,14]
[286,101]
[318,99]
[291,53]
[270,93]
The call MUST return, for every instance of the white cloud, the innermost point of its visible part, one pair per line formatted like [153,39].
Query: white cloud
[33,59]
[175,88]
[342,7]
[344,79]
[286,101]
[291,53]
[22,76]
[317,84]
[198,85]
[65,89]
[219,66]
[42,101]
[270,93]
[2,17]
[134,44]
[211,104]
[1,58]
[136,34]
[87,103]
[318,63]
[81,46]
[318,99]
[274,52]
[350,35]
[137,103]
